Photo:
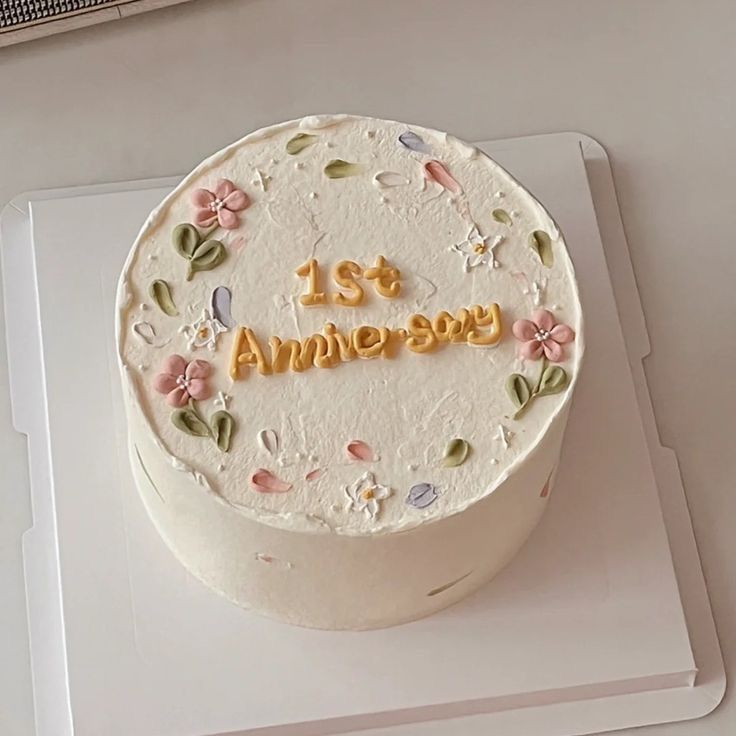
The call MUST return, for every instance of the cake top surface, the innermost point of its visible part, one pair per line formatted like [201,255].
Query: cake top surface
[348,324]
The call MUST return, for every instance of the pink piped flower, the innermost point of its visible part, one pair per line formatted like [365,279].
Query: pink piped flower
[542,336]
[219,206]
[181,381]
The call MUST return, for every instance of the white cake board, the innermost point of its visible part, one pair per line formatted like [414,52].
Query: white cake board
[585,631]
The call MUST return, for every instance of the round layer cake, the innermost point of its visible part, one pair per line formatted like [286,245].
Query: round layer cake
[348,348]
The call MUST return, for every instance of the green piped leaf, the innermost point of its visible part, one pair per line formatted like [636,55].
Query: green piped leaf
[503,217]
[206,256]
[187,420]
[456,453]
[222,425]
[161,294]
[517,387]
[339,169]
[185,239]
[201,256]
[541,244]
[554,380]
[299,142]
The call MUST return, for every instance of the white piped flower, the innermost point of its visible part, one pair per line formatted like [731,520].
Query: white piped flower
[366,495]
[478,250]
[204,331]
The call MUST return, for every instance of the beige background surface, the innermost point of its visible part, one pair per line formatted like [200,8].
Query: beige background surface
[652,81]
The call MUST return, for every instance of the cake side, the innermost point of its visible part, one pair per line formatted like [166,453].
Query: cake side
[339,212]
[335,581]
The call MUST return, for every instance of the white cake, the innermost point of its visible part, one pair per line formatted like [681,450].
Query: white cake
[348,349]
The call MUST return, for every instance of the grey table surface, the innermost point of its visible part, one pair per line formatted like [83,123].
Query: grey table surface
[654,81]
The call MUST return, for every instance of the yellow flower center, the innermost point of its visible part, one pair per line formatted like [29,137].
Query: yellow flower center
[368,494]
[203,331]
[480,248]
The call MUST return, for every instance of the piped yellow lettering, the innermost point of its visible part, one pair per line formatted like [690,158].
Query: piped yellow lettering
[344,274]
[490,317]
[422,339]
[386,279]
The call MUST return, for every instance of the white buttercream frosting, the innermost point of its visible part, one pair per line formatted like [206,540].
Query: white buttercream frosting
[405,409]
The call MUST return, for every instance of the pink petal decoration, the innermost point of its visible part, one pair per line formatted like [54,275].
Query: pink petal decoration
[198,369]
[264,481]
[544,319]
[202,198]
[164,383]
[314,474]
[223,188]
[198,389]
[175,365]
[562,334]
[227,219]
[531,350]
[436,171]
[358,450]
[219,206]
[204,218]
[553,351]
[534,344]
[178,398]
[237,200]
[523,329]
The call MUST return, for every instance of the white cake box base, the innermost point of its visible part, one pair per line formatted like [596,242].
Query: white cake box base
[586,630]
